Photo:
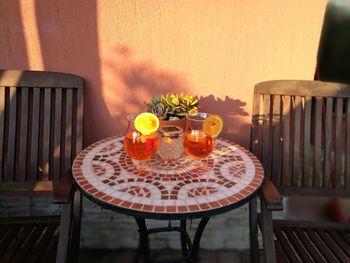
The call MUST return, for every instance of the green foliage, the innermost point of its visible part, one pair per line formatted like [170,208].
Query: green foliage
[172,106]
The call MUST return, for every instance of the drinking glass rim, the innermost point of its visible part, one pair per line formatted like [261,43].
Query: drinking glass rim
[201,115]
[131,117]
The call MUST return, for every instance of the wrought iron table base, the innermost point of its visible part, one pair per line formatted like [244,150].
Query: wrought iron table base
[189,249]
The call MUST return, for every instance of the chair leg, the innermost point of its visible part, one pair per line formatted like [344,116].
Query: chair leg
[64,237]
[76,227]
[253,231]
[267,234]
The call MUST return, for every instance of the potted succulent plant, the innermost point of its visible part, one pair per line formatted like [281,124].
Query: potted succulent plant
[171,109]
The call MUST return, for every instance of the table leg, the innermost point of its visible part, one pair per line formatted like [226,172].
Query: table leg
[197,238]
[183,238]
[144,241]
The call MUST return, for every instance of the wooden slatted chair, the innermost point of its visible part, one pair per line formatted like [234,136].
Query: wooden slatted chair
[41,116]
[301,134]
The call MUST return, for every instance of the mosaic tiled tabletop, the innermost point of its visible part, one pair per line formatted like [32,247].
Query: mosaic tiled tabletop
[181,188]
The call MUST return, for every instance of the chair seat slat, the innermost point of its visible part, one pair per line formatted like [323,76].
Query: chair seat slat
[304,255]
[316,255]
[333,246]
[321,246]
[280,253]
[18,242]
[10,236]
[340,241]
[29,243]
[42,244]
[292,255]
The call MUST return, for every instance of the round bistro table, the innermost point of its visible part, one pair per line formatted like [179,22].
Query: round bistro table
[168,190]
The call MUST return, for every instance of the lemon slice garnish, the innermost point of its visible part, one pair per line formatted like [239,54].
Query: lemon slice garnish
[146,123]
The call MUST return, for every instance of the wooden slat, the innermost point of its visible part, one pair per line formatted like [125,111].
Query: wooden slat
[13,249]
[35,255]
[9,237]
[328,143]
[34,188]
[11,142]
[266,135]
[28,244]
[46,135]
[280,254]
[347,152]
[80,112]
[345,236]
[321,246]
[318,182]
[303,88]
[49,254]
[338,143]
[56,147]
[307,142]
[292,255]
[315,191]
[34,134]
[333,246]
[255,143]
[68,129]
[340,241]
[298,246]
[22,155]
[3,230]
[277,143]
[296,149]
[27,78]
[286,141]
[2,127]
[316,255]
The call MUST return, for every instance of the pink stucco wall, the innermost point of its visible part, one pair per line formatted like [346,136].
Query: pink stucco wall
[128,51]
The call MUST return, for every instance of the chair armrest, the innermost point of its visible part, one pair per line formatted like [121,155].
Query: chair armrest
[271,196]
[63,189]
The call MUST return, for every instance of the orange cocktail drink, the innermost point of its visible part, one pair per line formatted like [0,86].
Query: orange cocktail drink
[200,133]
[140,147]
[197,144]
[141,138]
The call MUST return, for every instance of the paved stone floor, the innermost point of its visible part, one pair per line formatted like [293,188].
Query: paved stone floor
[121,256]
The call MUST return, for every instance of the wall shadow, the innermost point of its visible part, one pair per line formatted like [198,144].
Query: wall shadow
[132,82]
[234,115]
[68,38]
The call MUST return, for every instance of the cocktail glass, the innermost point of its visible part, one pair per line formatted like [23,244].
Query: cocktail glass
[197,143]
[140,147]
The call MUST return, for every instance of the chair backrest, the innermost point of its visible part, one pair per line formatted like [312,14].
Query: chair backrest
[301,134]
[41,115]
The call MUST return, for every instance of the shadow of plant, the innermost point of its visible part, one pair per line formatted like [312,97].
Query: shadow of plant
[133,82]
[234,115]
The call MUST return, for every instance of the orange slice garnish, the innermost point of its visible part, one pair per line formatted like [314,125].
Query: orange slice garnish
[146,123]
[212,125]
